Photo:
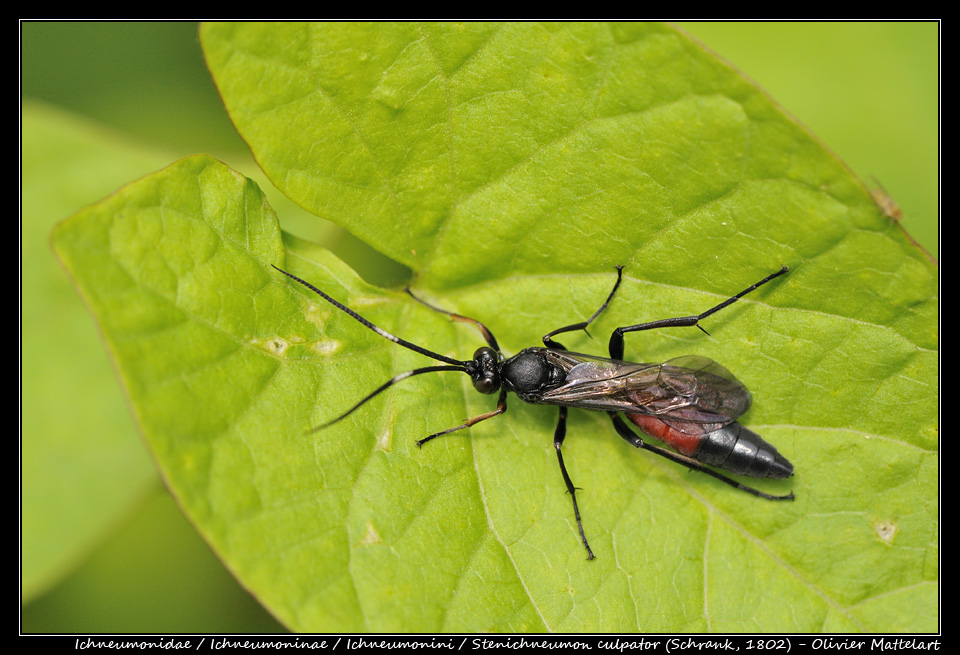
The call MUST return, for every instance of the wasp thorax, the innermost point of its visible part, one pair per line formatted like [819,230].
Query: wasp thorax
[530,371]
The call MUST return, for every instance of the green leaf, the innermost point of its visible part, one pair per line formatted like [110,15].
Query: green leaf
[513,166]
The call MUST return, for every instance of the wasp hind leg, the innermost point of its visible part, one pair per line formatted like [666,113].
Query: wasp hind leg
[616,338]
[635,440]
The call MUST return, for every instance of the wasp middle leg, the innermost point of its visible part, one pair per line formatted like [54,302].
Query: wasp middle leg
[550,343]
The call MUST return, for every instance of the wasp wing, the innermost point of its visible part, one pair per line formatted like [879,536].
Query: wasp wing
[689,393]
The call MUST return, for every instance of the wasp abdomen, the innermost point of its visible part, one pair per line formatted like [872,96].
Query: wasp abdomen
[732,447]
[743,451]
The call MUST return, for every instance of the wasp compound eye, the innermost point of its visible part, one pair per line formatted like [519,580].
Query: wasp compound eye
[485,358]
[486,385]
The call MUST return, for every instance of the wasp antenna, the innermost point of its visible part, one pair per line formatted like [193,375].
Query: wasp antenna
[383,333]
[383,387]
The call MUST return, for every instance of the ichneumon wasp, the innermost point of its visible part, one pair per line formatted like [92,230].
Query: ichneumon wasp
[691,403]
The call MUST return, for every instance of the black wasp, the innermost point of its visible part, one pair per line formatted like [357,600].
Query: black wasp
[690,403]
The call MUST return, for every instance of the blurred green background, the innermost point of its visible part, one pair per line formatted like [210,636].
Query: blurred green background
[868,91]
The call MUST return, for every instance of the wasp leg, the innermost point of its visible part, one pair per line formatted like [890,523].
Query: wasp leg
[558,437]
[550,343]
[616,339]
[634,440]
[501,408]
[484,330]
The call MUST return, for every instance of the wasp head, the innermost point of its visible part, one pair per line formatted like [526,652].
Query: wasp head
[483,370]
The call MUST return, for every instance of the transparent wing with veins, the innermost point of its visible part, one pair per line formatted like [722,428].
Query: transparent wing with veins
[693,394]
